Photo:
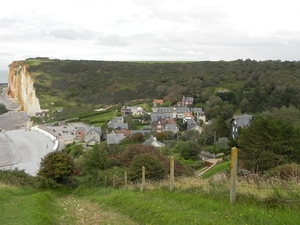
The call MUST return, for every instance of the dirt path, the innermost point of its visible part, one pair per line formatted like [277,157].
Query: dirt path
[81,211]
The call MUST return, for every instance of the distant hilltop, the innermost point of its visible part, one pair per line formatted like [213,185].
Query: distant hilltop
[217,86]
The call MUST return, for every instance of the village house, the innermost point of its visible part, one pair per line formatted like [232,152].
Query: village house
[156,115]
[79,134]
[131,110]
[192,125]
[187,116]
[113,138]
[90,135]
[200,116]
[164,124]
[125,132]
[152,141]
[157,102]
[186,102]
[117,123]
[238,122]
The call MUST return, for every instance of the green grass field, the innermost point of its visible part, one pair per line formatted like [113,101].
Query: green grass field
[197,202]
[27,206]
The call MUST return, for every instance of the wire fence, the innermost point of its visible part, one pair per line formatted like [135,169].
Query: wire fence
[262,188]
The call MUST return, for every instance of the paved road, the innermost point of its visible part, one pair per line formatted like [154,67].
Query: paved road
[20,148]
[8,102]
[23,150]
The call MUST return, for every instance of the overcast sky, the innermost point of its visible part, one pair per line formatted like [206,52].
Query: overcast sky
[168,30]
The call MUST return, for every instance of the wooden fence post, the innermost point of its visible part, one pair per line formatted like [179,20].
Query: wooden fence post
[143,179]
[114,181]
[125,179]
[172,174]
[233,167]
[105,181]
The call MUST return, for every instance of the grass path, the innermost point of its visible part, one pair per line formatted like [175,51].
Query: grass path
[81,211]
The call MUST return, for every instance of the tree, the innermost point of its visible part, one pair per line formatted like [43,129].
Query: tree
[57,166]
[188,149]
[290,114]
[131,123]
[222,143]
[207,135]
[244,105]
[136,149]
[93,160]
[161,136]
[221,127]
[191,135]
[268,142]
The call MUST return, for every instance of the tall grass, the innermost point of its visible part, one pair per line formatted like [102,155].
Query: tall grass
[198,201]
[26,206]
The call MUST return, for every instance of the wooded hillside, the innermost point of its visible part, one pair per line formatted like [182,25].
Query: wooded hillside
[247,86]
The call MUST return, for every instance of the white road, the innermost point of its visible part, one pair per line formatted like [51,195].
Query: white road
[23,150]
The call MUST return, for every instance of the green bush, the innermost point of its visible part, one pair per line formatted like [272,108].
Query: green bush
[154,169]
[93,160]
[45,183]
[133,150]
[57,166]
[285,172]
[17,178]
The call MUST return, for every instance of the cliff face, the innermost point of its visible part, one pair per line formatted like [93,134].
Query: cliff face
[20,88]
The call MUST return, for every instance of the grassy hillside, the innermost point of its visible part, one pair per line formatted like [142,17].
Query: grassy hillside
[194,201]
[260,200]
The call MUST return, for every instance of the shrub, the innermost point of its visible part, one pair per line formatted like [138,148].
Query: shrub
[57,166]
[285,171]
[17,178]
[188,150]
[44,182]
[76,151]
[154,169]
[93,160]
[183,170]
[133,150]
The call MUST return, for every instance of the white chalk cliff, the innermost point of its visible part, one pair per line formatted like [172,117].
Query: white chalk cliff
[20,88]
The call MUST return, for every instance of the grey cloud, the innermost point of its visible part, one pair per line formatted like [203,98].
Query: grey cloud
[8,22]
[72,34]
[112,40]
[5,54]
[20,35]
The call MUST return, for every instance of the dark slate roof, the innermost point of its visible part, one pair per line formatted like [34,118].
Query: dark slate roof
[173,109]
[171,127]
[242,120]
[191,124]
[114,138]
[199,110]
[141,131]
[156,115]
[152,141]
[120,126]
[89,129]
